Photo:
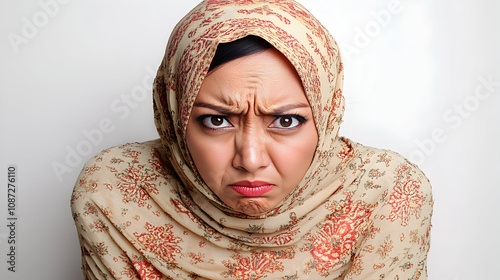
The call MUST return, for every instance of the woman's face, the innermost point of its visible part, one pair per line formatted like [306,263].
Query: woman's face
[251,133]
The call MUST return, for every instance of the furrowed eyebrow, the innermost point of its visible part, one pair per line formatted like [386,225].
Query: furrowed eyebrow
[279,111]
[215,108]
[286,108]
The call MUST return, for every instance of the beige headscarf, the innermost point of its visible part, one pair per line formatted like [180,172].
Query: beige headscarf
[142,209]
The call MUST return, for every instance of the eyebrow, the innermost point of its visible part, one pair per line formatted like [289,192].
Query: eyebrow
[278,111]
[214,107]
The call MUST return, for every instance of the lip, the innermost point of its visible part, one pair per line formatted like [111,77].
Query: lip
[252,188]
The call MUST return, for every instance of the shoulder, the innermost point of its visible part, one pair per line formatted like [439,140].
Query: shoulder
[121,157]
[126,152]
[130,163]
[390,180]
[388,167]
[397,236]
[399,188]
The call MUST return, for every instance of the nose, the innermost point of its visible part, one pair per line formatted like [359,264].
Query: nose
[251,153]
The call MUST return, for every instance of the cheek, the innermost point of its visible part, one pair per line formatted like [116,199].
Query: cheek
[209,156]
[294,158]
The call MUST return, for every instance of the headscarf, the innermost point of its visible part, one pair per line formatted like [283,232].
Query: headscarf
[292,30]
[337,222]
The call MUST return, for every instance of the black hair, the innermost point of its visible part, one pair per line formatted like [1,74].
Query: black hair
[242,47]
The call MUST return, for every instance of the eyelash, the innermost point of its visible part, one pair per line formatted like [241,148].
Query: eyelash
[301,120]
[203,118]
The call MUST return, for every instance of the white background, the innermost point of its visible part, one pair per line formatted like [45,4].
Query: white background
[407,76]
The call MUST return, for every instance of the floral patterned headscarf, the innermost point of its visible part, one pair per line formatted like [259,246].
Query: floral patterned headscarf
[292,30]
[359,212]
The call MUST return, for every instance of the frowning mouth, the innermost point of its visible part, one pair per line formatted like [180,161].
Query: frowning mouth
[252,188]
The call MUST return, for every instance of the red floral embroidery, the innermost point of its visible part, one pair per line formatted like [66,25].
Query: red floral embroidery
[219,3]
[385,158]
[279,239]
[267,11]
[157,164]
[147,271]
[99,226]
[91,186]
[116,160]
[108,186]
[337,237]
[180,208]
[406,201]
[196,258]
[92,169]
[345,154]
[385,249]
[160,241]
[257,265]
[135,182]
[132,154]
[127,270]
[357,266]
[100,248]
[375,173]
[331,244]
[89,208]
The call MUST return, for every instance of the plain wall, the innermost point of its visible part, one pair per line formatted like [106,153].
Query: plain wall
[422,78]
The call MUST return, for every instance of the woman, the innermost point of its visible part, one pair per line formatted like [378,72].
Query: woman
[250,179]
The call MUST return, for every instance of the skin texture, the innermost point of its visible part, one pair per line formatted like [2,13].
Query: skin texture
[251,121]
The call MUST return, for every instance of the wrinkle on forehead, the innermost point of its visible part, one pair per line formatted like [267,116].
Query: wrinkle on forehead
[251,94]
[242,95]
[262,83]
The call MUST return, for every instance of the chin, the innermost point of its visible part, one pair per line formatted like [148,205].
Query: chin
[252,206]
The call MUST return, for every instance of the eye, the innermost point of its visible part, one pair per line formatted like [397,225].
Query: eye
[214,121]
[288,122]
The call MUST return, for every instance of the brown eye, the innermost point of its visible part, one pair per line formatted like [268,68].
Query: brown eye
[286,121]
[217,121]
[214,121]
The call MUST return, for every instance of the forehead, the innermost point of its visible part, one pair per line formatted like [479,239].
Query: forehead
[266,76]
